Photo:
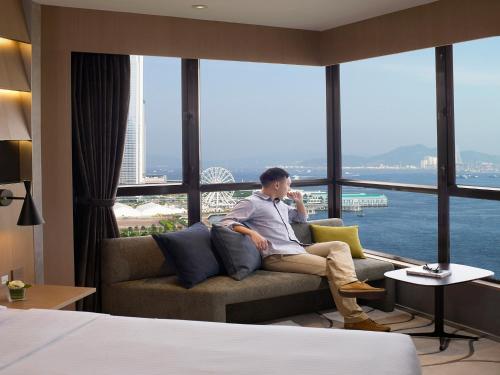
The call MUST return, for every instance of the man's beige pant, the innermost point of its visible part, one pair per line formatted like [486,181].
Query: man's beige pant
[331,259]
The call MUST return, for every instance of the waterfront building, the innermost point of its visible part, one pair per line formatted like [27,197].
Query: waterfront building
[154,179]
[318,200]
[428,162]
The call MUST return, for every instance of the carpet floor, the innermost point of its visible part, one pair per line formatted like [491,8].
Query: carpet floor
[461,357]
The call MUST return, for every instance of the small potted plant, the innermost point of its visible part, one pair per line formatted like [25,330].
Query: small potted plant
[17,290]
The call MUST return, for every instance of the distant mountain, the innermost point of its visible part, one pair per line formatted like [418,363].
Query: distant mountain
[405,155]
[471,157]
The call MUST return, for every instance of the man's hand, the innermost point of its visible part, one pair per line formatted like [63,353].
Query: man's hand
[259,241]
[296,196]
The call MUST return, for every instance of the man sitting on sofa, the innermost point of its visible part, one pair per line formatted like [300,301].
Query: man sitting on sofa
[265,218]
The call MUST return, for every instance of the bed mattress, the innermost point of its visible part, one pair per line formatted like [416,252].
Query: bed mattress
[69,342]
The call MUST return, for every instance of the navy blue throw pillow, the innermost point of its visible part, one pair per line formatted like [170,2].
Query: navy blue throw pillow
[190,252]
[237,252]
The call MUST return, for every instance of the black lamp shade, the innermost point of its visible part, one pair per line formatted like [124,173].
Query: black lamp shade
[29,214]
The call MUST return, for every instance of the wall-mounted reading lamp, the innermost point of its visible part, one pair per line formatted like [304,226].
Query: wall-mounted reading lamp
[29,214]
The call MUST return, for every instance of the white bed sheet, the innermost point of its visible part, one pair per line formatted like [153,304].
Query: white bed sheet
[62,342]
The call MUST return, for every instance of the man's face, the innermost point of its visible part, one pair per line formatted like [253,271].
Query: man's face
[283,187]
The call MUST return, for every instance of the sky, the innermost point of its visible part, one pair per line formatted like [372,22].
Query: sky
[274,112]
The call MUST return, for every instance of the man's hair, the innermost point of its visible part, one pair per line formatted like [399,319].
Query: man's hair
[272,175]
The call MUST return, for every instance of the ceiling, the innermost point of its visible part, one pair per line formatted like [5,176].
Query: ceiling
[315,15]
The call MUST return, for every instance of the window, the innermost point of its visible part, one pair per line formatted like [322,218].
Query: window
[476,72]
[153,152]
[399,223]
[474,233]
[145,215]
[255,115]
[388,109]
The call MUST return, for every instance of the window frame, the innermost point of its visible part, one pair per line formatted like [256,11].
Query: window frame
[445,128]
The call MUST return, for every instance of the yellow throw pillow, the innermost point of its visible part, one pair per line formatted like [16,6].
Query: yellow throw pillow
[348,235]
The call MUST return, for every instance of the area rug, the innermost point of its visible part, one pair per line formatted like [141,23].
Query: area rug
[461,357]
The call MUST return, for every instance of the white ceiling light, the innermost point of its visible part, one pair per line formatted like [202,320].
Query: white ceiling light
[199,6]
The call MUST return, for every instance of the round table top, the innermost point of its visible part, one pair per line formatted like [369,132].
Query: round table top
[459,274]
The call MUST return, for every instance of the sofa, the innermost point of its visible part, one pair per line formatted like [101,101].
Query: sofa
[138,281]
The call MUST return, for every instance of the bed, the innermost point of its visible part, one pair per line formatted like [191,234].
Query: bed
[69,342]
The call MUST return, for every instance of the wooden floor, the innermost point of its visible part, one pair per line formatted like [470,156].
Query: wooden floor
[462,357]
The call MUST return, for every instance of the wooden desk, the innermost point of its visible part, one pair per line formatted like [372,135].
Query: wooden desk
[52,297]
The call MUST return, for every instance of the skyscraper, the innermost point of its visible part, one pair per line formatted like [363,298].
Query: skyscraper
[132,171]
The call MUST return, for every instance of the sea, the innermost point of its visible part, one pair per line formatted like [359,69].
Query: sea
[408,226]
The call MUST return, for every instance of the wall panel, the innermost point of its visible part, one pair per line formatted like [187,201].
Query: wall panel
[436,24]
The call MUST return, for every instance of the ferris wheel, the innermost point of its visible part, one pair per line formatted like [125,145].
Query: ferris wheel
[217,201]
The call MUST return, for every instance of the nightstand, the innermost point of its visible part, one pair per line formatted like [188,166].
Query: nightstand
[53,297]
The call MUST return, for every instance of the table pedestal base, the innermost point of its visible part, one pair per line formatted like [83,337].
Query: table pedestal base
[460,274]
[444,338]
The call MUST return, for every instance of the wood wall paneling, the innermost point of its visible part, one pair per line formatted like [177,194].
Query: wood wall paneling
[57,197]
[431,25]
[12,65]
[26,55]
[12,21]
[117,32]
[15,115]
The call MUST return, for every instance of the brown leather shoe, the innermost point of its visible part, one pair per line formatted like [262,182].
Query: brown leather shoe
[361,289]
[368,325]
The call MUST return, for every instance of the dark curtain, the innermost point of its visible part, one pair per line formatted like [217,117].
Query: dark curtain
[100,94]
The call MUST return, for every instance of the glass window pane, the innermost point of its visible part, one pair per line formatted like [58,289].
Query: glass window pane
[388,109]
[154,127]
[476,70]
[393,222]
[255,115]
[145,215]
[475,235]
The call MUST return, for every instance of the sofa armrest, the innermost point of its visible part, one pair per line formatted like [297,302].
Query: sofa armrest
[132,258]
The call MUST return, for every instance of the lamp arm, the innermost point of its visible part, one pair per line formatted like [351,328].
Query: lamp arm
[6,197]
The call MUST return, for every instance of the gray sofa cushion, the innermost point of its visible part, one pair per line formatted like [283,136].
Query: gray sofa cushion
[236,251]
[190,250]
